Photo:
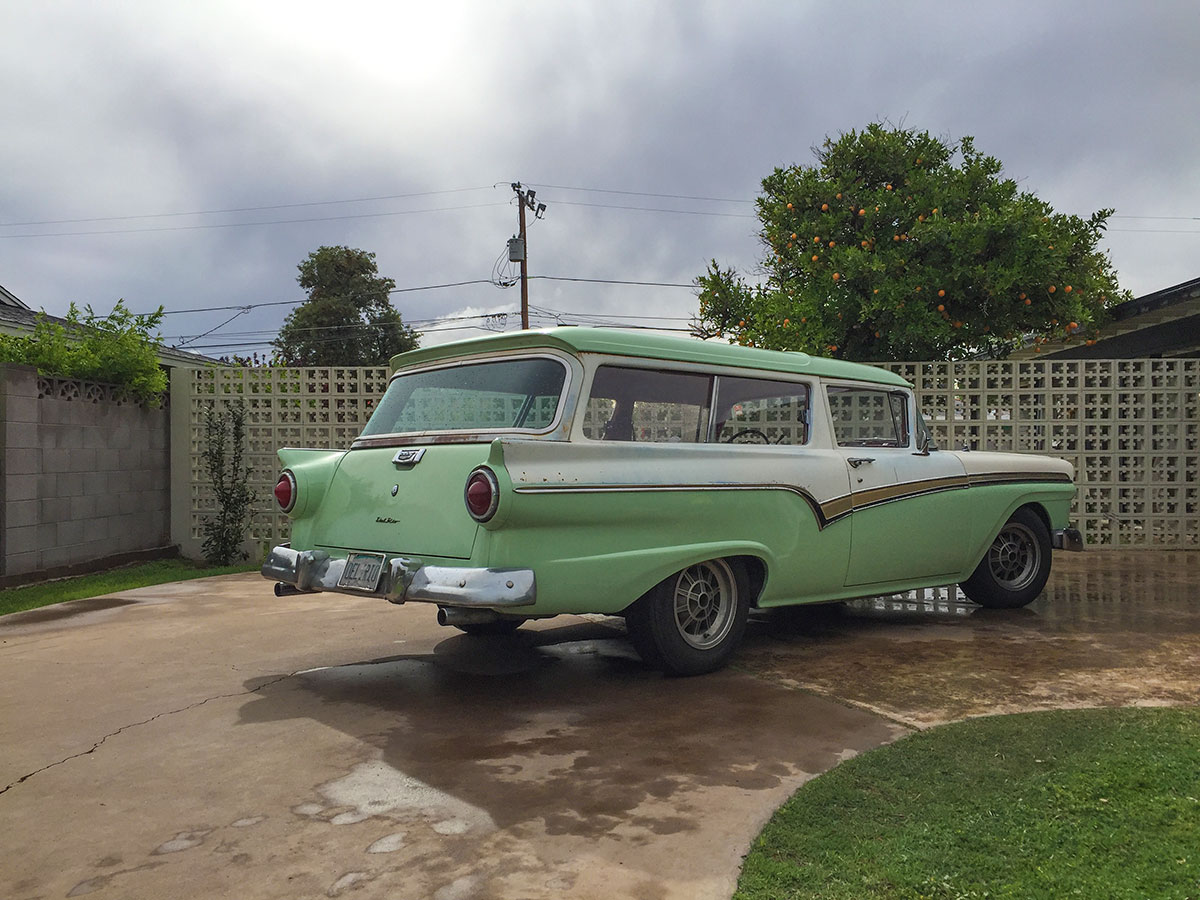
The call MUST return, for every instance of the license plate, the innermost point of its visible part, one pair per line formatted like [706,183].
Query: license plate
[362,571]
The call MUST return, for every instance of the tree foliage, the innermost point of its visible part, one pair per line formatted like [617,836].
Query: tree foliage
[348,318]
[897,245]
[120,348]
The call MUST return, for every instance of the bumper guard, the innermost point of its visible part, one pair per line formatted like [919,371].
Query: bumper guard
[405,579]
[1066,539]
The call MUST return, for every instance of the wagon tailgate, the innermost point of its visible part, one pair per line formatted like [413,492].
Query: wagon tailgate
[425,517]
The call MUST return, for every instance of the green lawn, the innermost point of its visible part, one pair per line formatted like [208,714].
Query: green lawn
[1087,803]
[34,595]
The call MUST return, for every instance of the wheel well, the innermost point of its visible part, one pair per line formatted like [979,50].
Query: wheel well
[1041,514]
[756,574]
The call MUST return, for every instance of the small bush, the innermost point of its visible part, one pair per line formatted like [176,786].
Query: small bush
[224,446]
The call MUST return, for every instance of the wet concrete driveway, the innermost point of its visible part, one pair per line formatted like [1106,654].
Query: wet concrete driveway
[206,739]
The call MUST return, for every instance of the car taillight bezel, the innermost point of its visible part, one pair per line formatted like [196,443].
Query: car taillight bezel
[290,479]
[483,475]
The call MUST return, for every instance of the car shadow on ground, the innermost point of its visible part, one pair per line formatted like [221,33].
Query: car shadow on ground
[567,726]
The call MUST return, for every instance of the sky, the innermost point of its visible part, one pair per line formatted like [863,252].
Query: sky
[190,155]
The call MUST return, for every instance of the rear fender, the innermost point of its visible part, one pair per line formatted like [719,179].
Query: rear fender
[313,471]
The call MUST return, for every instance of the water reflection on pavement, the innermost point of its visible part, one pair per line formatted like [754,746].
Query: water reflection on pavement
[1113,628]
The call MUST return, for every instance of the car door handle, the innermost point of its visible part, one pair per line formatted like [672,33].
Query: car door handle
[856,461]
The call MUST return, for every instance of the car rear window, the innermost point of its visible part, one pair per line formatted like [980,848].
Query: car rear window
[509,394]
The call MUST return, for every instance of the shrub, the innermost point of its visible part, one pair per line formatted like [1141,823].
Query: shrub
[224,446]
[115,349]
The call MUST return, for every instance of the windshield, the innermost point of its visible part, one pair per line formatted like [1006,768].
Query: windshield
[499,395]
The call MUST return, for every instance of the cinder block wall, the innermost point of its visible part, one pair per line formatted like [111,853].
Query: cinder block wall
[85,475]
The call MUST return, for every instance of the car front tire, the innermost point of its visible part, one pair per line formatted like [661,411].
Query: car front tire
[692,622]
[1014,570]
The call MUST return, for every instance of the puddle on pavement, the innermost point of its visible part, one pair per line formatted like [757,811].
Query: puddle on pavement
[1111,628]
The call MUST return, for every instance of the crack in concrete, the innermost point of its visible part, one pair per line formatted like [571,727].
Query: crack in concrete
[124,728]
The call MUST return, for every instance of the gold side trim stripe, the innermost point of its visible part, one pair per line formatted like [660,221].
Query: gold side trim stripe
[828,511]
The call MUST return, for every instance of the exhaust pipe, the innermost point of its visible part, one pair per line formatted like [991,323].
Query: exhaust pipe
[454,615]
[287,590]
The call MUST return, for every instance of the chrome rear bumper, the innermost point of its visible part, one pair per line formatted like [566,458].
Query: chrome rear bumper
[405,579]
[1066,539]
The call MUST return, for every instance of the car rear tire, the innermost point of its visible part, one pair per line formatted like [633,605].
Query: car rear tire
[692,622]
[1014,570]
[484,629]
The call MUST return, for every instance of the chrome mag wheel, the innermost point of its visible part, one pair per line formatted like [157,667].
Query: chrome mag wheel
[705,603]
[1015,557]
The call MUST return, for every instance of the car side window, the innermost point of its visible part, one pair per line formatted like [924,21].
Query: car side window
[647,405]
[868,417]
[758,410]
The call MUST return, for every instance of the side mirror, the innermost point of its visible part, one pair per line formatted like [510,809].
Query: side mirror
[922,443]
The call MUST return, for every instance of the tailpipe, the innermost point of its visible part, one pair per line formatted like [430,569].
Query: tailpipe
[287,590]
[454,615]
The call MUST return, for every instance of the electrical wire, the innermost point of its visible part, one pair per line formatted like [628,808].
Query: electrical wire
[559,187]
[239,209]
[379,215]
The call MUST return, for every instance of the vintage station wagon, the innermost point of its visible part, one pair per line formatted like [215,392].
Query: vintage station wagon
[675,482]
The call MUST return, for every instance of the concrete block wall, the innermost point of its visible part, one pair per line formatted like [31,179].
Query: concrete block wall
[85,475]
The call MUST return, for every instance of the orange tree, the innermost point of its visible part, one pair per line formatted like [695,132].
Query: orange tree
[897,245]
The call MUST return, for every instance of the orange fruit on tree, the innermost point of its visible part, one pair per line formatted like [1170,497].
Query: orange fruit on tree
[817,239]
[833,244]
[1072,325]
[1022,296]
[1027,301]
[1053,289]
[1067,289]
[877,334]
[824,207]
[895,237]
[793,235]
[839,196]
[942,292]
[815,257]
[941,308]
[921,218]
[864,243]
[889,187]
[862,212]
[789,206]
[836,276]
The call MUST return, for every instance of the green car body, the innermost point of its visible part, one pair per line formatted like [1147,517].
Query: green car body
[674,481]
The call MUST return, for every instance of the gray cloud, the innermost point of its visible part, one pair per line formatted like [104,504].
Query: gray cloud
[140,107]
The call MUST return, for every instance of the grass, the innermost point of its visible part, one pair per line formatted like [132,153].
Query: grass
[32,596]
[1085,803]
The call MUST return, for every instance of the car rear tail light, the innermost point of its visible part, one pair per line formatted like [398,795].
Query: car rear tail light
[482,494]
[285,491]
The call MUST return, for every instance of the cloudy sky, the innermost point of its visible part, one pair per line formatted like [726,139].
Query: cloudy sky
[191,154]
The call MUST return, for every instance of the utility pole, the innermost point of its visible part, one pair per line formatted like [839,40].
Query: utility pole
[516,246]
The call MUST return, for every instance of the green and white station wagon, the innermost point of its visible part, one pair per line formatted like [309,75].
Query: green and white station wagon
[672,481]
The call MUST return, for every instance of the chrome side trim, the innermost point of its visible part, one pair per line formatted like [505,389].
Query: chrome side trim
[405,579]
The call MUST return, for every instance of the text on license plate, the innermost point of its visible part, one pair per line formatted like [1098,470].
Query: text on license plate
[362,571]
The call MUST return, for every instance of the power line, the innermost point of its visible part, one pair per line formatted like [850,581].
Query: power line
[559,187]
[379,215]
[680,212]
[239,209]
[612,281]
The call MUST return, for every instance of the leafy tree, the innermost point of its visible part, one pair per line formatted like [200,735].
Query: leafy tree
[897,245]
[348,318]
[115,349]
